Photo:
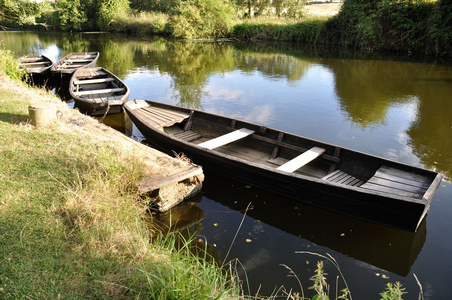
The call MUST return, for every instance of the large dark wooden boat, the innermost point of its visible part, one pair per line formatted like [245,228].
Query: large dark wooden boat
[325,175]
[63,69]
[38,68]
[97,91]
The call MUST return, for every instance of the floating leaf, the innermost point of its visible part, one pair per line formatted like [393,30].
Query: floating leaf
[384,276]
[342,234]
[215,224]
[248,240]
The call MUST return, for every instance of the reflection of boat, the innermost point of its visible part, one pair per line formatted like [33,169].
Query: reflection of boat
[38,67]
[344,180]
[62,70]
[387,248]
[97,91]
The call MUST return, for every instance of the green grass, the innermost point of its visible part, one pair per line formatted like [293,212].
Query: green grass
[71,225]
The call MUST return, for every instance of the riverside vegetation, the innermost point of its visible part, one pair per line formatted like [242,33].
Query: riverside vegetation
[71,226]
[405,27]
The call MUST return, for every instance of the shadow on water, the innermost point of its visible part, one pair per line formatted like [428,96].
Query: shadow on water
[383,247]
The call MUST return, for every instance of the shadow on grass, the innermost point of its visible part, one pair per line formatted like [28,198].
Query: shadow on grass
[13,118]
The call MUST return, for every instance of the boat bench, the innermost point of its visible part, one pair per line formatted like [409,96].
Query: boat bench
[91,81]
[301,160]
[226,138]
[103,91]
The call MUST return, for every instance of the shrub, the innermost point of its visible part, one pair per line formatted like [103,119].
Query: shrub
[202,18]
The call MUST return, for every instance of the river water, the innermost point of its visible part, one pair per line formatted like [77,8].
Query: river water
[392,108]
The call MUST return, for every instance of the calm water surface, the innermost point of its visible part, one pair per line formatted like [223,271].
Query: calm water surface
[394,109]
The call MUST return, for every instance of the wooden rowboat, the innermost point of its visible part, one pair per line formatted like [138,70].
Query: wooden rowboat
[63,69]
[38,67]
[325,175]
[75,60]
[97,91]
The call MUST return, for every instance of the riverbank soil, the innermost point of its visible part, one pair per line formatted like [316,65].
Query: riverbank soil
[326,9]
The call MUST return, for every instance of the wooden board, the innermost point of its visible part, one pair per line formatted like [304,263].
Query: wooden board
[399,182]
[91,81]
[226,138]
[104,91]
[158,117]
[301,160]
[341,177]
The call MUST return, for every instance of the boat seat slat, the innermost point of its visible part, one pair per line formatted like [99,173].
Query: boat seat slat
[386,189]
[301,160]
[81,93]
[90,81]
[226,138]
[164,112]
[341,177]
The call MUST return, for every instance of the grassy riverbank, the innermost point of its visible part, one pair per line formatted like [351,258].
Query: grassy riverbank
[71,226]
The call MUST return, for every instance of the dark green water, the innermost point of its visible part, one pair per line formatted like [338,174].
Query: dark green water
[391,108]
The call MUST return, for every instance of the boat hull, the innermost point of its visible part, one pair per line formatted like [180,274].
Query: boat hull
[372,206]
[97,91]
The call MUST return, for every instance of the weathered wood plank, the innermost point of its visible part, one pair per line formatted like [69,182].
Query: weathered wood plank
[301,160]
[385,189]
[226,138]
[99,91]
[402,174]
[91,81]
[168,113]
[397,185]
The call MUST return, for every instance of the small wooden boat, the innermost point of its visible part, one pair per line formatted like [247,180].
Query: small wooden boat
[97,91]
[325,175]
[38,67]
[63,69]
[75,60]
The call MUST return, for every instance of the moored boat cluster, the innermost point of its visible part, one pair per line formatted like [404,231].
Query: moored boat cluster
[95,90]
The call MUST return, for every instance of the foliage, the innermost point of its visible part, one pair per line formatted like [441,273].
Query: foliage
[109,10]
[201,18]
[20,12]
[393,291]
[406,26]
[70,15]
[10,65]
[254,8]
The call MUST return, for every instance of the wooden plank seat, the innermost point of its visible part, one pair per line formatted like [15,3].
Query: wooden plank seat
[226,138]
[341,177]
[398,182]
[91,81]
[103,91]
[301,160]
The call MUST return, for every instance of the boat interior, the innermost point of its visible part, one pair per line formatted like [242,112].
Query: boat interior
[97,84]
